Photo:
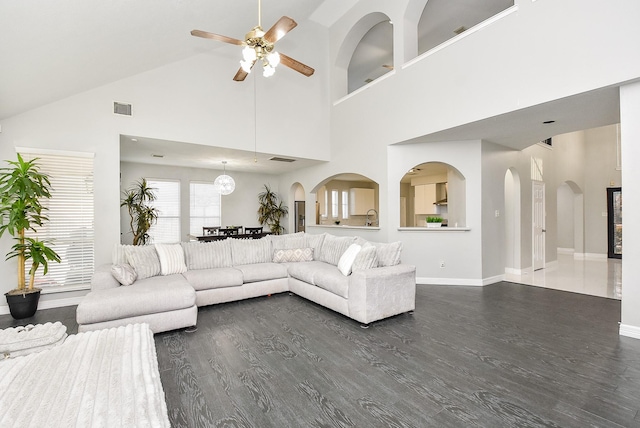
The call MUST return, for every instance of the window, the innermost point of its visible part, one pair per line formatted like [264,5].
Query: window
[334,203]
[204,206]
[167,228]
[345,204]
[70,229]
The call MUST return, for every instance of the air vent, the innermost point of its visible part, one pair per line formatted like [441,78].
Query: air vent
[157,156]
[123,109]
[460,30]
[277,159]
[368,81]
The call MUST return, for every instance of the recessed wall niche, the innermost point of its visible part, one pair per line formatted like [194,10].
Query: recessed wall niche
[433,189]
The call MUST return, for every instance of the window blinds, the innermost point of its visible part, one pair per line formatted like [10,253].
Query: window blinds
[204,207]
[70,229]
[167,228]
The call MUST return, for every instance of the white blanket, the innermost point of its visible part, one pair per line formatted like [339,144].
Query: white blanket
[104,378]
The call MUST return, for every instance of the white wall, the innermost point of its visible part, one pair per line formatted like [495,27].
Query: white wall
[630,134]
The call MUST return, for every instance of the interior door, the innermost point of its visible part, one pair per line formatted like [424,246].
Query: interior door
[614,222]
[538,225]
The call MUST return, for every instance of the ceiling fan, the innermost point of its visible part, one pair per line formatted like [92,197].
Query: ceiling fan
[259,45]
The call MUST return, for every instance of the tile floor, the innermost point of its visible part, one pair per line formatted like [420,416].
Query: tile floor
[601,278]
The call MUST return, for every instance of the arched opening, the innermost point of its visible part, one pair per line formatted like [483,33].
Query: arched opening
[512,221]
[297,214]
[570,218]
[436,190]
[347,200]
[442,20]
[372,57]
[349,44]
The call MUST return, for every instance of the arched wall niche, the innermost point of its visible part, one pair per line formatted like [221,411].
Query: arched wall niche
[442,20]
[372,57]
[346,198]
[433,189]
[349,44]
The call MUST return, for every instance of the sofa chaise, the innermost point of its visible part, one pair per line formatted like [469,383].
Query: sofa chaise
[164,284]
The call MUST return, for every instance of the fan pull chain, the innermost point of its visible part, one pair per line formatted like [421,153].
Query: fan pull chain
[255,121]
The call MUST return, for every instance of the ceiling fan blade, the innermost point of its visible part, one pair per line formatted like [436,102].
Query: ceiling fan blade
[279,29]
[241,74]
[296,65]
[218,37]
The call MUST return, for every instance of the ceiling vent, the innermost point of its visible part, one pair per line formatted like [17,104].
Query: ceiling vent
[277,159]
[122,109]
[460,30]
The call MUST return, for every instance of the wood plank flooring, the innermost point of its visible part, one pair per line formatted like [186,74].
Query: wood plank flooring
[504,355]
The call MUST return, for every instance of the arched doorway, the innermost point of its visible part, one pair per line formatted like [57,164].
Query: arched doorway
[297,221]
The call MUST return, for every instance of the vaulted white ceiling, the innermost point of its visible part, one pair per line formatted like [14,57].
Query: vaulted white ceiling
[51,49]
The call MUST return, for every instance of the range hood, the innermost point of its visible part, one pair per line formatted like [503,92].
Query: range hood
[441,202]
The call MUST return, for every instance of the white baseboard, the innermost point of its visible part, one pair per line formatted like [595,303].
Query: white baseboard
[460,281]
[519,272]
[48,304]
[629,331]
[566,250]
[589,256]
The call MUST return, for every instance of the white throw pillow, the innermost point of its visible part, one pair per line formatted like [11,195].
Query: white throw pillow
[348,257]
[124,273]
[171,259]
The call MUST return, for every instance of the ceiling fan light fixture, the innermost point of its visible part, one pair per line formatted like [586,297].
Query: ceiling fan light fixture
[273,59]
[249,54]
[268,70]
[246,66]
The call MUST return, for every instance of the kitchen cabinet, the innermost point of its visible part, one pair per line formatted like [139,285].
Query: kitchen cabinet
[425,198]
[360,201]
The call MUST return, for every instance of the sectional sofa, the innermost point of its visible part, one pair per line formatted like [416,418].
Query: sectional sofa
[164,284]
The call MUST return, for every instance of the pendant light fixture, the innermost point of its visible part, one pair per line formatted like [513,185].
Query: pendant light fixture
[226,183]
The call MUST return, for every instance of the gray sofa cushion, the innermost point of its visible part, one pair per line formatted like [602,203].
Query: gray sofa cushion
[250,251]
[287,242]
[262,271]
[303,270]
[388,254]
[333,247]
[367,258]
[315,242]
[331,279]
[207,255]
[146,296]
[204,279]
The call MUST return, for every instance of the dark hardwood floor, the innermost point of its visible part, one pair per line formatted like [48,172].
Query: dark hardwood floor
[505,355]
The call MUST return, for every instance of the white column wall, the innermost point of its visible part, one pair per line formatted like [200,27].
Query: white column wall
[630,134]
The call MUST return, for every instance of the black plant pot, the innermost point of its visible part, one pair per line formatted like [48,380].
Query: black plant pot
[23,305]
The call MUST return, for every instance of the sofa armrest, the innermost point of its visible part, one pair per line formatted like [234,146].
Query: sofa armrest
[382,292]
[103,279]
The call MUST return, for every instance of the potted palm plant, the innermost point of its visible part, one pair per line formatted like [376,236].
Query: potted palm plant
[142,214]
[23,187]
[271,210]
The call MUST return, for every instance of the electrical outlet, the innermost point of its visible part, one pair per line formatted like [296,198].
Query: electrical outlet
[497,213]
[442,264]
